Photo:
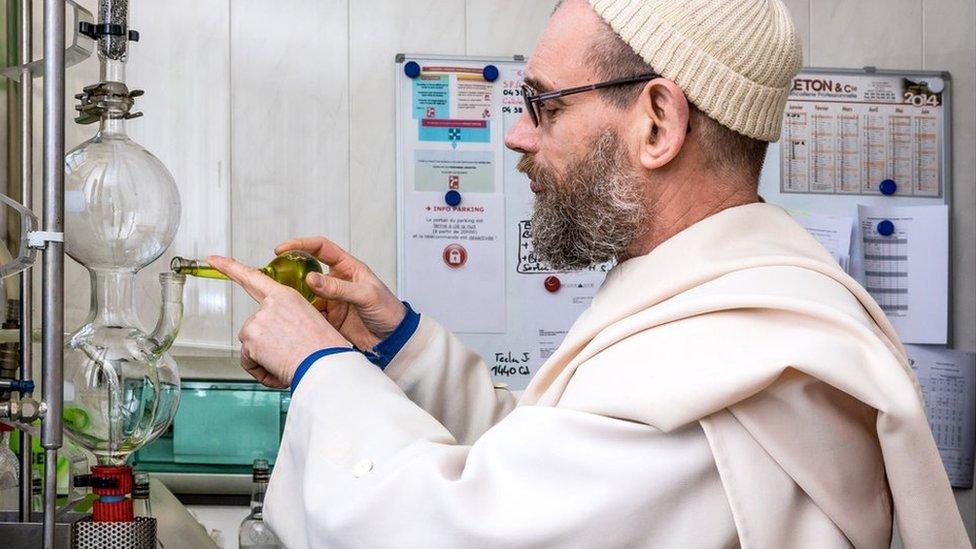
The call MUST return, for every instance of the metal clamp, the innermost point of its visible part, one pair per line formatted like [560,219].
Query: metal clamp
[106,97]
[22,386]
[38,239]
[95,32]
[95,481]
[25,410]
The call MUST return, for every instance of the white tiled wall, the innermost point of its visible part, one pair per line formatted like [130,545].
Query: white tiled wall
[854,33]
[277,119]
[378,30]
[187,124]
[289,120]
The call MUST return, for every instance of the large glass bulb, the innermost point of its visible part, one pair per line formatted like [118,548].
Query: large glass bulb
[122,211]
[122,207]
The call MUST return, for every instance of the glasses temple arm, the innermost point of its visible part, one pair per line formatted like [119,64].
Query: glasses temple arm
[597,86]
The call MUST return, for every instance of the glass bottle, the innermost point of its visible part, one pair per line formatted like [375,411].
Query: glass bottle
[37,494]
[289,268]
[9,471]
[72,462]
[141,505]
[10,350]
[254,532]
[122,210]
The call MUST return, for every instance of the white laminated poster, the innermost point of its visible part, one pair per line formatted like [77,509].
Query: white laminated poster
[906,268]
[834,232]
[846,134]
[464,238]
[458,276]
[948,381]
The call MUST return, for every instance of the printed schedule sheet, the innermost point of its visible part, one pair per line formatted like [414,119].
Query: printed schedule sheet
[848,134]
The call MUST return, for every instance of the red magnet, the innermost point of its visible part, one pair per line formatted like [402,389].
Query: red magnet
[552,284]
[455,256]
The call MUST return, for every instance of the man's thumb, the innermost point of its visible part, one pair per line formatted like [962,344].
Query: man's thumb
[333,288]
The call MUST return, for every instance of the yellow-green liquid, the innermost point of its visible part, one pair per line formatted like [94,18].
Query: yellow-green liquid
[289,268]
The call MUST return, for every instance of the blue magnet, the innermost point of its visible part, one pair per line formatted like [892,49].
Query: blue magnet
[888,187]
[453,198]
[490,72]
[411,69]
[886,228]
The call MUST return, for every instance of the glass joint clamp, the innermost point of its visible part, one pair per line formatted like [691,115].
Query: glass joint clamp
[38,239]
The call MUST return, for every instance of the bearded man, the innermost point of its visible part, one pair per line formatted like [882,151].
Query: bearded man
[729,385]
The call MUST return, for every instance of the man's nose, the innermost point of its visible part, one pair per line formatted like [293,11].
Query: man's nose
[523,137]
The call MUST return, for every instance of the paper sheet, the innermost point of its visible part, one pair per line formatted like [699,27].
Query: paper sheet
[833,231]
[457,268]
[907,272]
[948,380]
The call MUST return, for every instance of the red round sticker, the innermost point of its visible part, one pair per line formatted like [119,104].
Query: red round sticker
[455,256]
[552,284]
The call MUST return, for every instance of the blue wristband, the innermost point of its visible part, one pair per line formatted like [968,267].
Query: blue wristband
[307,363]
[384,351]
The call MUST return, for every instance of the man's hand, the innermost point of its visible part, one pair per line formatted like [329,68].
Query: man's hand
[355,301]
[284,330]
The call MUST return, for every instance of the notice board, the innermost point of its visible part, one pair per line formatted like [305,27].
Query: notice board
[861,152]
[863,163]
[872,149]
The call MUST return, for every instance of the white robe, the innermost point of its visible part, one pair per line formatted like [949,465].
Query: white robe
[731,388]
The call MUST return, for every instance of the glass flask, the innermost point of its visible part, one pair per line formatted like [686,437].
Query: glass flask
[122,210]
[122,207]
[254,532]
[289,268]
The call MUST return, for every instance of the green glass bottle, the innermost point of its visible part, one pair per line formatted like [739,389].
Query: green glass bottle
[289,268]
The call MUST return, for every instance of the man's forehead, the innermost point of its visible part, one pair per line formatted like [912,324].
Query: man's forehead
[559,59]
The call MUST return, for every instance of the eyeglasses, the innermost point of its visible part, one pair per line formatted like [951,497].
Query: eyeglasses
[535,100]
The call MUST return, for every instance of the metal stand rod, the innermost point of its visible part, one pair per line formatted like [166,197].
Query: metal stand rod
[26,277]
[52,299]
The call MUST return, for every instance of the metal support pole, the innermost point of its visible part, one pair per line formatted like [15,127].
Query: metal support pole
[52,281]
[26,277]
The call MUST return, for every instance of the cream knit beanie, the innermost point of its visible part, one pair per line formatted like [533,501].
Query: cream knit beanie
[734,59]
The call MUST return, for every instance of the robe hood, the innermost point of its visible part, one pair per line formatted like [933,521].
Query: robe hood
[834,333]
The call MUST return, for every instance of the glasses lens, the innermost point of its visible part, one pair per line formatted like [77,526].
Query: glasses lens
[527,95]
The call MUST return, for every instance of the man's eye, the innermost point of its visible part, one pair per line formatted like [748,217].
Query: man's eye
[550,112]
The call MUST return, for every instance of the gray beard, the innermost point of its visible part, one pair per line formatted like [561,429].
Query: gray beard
[592,213]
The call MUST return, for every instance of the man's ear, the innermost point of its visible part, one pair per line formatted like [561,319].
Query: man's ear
[663,124]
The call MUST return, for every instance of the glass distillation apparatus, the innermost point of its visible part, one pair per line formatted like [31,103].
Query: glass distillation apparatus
[122,210]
